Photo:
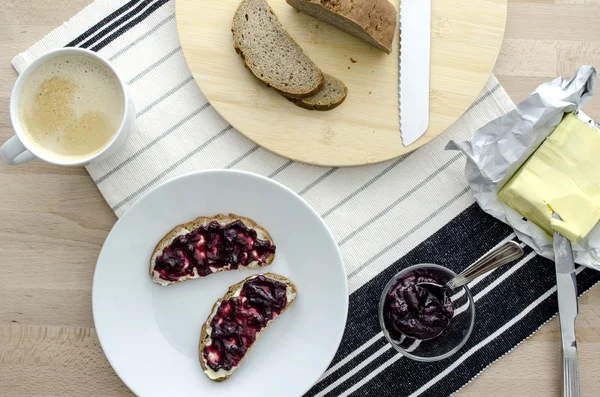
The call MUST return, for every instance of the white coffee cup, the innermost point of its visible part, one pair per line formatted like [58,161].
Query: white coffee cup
[19,149]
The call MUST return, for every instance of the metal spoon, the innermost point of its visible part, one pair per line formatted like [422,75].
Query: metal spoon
[501,255]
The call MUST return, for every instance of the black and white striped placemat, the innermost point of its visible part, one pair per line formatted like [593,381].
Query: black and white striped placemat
[385,216]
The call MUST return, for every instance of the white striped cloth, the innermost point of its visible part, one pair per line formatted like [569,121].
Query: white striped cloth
[377,213]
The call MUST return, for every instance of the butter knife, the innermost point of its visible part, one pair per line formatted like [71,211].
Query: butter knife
[566,286]
[415,48]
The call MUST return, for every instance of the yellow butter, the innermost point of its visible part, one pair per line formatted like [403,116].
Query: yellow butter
[563,175]
[568,231]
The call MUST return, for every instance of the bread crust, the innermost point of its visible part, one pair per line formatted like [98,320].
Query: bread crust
[310,106]
[361,14]
[204,337]
[201,221]
[238,48]
[315,106]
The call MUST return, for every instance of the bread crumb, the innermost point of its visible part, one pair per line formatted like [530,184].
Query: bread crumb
[353,60]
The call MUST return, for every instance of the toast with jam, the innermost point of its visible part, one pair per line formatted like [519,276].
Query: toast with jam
[238,319]
[208,245]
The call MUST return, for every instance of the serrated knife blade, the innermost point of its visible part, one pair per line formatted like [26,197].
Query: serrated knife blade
[415,49]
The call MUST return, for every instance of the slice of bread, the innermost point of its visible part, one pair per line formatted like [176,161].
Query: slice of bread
[205,334]
[330,96]
[372,21]
[270,53]
[185,228]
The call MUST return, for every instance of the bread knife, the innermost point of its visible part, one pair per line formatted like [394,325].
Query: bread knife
[566,287]
[415,48]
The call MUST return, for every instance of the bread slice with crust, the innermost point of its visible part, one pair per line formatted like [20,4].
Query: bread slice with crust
[372,21]
[330,96]
[270,52]
[205,336]
[203,221]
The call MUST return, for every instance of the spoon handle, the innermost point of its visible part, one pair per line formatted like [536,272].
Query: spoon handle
[504,253]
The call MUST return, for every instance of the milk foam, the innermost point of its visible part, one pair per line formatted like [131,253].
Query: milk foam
[71,107]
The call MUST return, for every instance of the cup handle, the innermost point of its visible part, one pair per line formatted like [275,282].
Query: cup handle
[13,152]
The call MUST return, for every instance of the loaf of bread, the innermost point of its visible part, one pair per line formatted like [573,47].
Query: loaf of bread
[270,52]
[208,245]
[373,21]
[238,319]
[331,95]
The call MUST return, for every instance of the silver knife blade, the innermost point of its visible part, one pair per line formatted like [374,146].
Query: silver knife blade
[415,48]
[566,286]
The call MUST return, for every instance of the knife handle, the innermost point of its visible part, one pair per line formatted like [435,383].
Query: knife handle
[570,374]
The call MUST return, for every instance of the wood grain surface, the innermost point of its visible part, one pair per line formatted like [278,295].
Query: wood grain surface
[465,41]
[53,222]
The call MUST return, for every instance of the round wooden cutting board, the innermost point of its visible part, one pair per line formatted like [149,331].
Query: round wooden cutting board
[465,41]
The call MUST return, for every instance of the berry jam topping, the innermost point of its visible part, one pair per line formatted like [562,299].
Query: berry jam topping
[210,247]
[413,311]
[240,318]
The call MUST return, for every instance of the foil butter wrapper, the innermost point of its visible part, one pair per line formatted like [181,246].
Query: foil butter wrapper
[499,148]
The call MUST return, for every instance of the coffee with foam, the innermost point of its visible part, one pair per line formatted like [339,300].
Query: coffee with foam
[71,107]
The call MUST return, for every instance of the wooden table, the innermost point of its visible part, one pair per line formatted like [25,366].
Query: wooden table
[53,222]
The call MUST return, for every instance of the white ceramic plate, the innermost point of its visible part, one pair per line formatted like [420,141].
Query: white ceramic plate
[150,333]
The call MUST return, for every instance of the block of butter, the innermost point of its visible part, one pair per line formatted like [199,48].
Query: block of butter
[562,175]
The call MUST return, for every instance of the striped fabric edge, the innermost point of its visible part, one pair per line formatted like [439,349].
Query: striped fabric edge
[447,385]
[504,234]
[379,336]
[130,24]
[111,17]
[547,303]
[103,11]
[354,373]
[521,342]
